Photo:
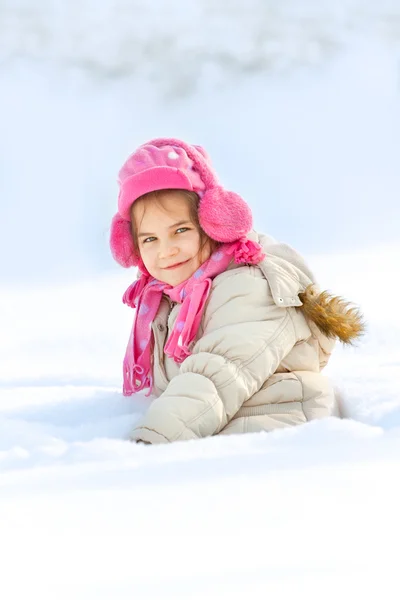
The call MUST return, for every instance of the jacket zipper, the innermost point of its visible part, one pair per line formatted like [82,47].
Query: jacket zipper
[160,351]
[158,361]
[171,307]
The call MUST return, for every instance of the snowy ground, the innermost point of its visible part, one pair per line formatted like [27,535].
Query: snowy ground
[85,514]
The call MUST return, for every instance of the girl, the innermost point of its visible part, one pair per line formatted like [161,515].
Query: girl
[230,331]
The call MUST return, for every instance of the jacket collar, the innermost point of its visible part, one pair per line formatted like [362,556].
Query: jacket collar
[284,269]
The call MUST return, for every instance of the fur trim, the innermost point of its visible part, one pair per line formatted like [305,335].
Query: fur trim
[333,315]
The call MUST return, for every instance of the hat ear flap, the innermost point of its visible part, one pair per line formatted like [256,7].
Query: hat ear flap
[224,215]
[121,242]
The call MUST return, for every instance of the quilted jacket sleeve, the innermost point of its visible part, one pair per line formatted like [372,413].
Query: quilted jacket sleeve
[245,335]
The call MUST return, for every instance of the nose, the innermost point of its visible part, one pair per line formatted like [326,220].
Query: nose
[168,250]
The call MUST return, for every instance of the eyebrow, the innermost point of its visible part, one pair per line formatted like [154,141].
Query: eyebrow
[170,227]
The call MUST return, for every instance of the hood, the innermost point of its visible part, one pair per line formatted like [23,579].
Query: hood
[285,270]
[292,283]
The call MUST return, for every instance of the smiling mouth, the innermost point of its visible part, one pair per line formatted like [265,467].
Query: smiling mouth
[176,265]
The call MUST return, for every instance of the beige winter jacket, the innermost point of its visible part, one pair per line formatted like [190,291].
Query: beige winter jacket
[256,361]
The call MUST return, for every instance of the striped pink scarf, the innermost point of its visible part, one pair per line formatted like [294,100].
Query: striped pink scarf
[145,295]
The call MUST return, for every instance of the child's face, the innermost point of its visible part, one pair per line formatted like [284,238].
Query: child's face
[169,241]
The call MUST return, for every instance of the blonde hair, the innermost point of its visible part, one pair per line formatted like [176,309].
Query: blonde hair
[193,201]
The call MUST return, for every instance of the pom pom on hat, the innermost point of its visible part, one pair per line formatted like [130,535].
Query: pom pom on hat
[224,215]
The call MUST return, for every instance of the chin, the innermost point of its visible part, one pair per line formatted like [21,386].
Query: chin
[176,281]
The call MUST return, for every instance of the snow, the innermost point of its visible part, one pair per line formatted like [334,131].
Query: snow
[86,514]
[306,101]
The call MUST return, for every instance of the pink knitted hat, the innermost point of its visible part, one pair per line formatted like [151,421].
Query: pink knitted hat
[172,164]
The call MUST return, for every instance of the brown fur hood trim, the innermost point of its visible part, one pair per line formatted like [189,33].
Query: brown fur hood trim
[335,317]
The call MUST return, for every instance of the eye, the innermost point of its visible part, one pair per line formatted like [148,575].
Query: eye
[149,239]
[182,229]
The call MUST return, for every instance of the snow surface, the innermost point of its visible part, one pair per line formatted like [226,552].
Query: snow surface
[310,107]
[86,514]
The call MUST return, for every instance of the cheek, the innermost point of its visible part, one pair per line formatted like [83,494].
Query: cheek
[194,242]
[147,254]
